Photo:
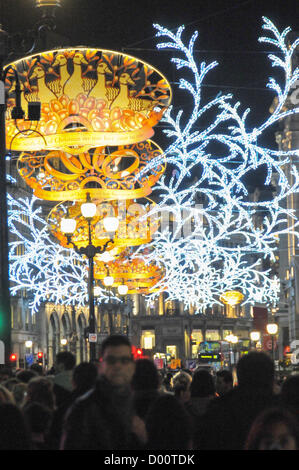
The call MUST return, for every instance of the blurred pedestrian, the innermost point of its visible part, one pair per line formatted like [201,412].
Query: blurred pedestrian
[38,418]
[145,384]
[182,386]
[290,394]
[224,381]
[6,396]
[273,429]
[14,434]
[102,418]
[83,378]
[226,423]
[63,377]
[40,390]
[168,425]
[202,391]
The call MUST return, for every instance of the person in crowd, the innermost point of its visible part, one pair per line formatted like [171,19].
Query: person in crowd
[84,379]
[38,418]
[145,384]
[38,368]
[40,390]
[19,392]
[224,381]
[17,388]
[168,425]
[102,418]
[202,391]
[25,375]
[14,433]
[167,382]
[63,382]
[273,429]
[182,386]
[6,396]
[228,419]
[5,374]
[290,394]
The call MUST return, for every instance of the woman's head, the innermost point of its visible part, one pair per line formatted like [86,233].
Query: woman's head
[274,429]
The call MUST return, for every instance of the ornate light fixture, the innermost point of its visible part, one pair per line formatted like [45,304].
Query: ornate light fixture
[47,3]
[89,98]
[123,218]
[88,210]
[105,174]
[129,275]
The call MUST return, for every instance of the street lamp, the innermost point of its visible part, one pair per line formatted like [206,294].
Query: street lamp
[68,226]
[272,329]
[231,339]
[255,336]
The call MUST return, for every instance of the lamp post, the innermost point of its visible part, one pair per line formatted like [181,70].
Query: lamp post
[6,48]
[272,329]
[68,226]
[231,339]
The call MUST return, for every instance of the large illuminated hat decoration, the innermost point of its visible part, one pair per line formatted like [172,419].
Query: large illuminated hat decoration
[89,98]
[138,276]
[98,110]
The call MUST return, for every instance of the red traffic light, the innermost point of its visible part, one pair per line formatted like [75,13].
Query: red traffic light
[40,355]
[13,357]
[139,352]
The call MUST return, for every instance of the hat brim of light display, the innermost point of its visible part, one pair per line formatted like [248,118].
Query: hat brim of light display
[89,98]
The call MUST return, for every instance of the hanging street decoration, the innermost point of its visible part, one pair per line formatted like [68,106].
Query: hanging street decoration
[211,250]
[221,233]
[89,98]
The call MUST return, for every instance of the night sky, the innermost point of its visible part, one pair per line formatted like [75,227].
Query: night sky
[228,33]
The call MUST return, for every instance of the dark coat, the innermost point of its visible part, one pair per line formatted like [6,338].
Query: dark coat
[227,421]
[99,420]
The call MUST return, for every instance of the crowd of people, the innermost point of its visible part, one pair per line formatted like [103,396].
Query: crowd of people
[122,404]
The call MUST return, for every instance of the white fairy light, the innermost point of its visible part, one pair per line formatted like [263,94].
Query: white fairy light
[222,253]
[39,264]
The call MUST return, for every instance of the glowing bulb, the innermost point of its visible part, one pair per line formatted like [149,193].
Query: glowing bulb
[108,281]
[255,335]
[272,328]
[68,226]
[123,289]
[88,210]
[106,257]
[111,224]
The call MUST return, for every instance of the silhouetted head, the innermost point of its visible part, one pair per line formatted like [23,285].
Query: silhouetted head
[255,369]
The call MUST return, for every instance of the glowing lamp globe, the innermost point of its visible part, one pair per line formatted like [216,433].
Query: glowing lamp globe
[111,224]
[255,335]
[68,226]
[272,328]
[108,281]
[106,257]
[122,289]
[88,210]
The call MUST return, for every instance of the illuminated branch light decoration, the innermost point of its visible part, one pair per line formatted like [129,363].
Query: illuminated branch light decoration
[222,250]
[48,272]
